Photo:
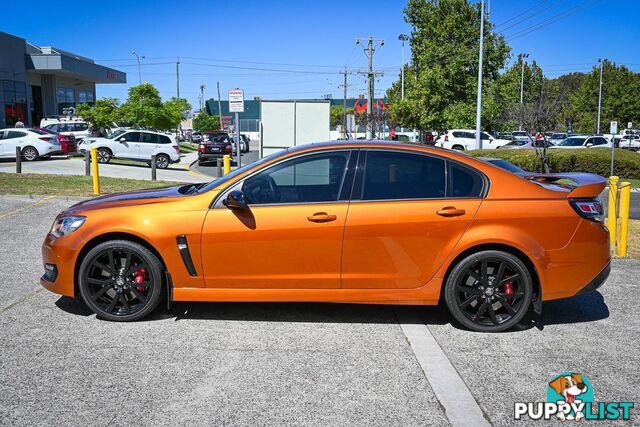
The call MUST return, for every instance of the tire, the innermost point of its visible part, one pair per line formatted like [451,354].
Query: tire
[458,148]
[99,287]
[30,154]
[104,155]
[162,161]
[474,299]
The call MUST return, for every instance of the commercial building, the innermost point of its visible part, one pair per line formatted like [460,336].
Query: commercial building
[44,81]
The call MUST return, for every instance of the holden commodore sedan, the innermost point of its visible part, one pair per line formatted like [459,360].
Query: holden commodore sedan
[345,222]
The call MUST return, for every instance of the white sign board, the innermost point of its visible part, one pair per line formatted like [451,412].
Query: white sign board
[236,101]
[629,125]
[613,129]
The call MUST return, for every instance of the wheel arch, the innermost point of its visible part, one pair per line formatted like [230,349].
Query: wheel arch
[96,240]
[536,300]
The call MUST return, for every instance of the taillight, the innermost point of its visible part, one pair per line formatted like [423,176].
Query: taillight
[446,138]
[46,138]
[590,209]
[200,148]
[177,148]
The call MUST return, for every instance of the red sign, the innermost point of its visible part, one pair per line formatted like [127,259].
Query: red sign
[226,121]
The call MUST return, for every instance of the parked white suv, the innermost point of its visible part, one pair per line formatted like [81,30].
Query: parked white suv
[465,139]
[67,126]
[33,143]
[136,145]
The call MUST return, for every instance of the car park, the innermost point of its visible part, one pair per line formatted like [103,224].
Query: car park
[465,139]
[558,137]
[423,223]
[33,143]
[67,126]
[134,144]
[583,141]
[519,144]
[68,144]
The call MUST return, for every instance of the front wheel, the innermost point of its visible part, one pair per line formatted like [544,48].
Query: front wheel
[489,291]
[162,161]
[120,280]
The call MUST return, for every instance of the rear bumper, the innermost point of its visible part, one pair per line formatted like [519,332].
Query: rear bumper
[203,157]
[597,281]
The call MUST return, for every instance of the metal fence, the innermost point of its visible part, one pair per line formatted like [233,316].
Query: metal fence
[249,125]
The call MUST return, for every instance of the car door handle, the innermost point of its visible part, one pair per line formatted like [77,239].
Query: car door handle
[450,211]
[322,217]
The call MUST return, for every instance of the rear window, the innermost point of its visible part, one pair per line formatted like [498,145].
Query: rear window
[464,182]
[39,132]
[165,139]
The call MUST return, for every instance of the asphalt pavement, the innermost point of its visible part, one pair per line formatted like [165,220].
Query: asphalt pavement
[275,364]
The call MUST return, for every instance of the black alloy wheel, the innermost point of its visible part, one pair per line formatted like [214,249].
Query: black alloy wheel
[489,291]
[30,154]
[162,161]
[121,280]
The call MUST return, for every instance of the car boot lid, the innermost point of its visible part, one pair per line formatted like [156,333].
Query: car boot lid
[580,185]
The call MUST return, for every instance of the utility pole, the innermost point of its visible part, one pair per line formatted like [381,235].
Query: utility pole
[178,78]
[344,85]
[479,100]
[522,56]
[371,76]
[202,86]
[601,61]
[403,38]
[219,106]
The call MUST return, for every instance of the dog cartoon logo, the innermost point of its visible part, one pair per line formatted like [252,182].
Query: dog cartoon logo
[572,389]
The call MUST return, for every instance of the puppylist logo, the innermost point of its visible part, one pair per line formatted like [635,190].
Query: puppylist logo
[570,397]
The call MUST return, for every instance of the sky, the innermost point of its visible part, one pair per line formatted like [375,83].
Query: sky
[281,49]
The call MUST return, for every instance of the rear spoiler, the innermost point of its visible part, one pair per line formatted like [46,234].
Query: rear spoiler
[583,185]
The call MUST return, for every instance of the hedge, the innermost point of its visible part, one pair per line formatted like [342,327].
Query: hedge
[593,160]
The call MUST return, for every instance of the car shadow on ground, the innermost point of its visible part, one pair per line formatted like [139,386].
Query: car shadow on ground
[582,308]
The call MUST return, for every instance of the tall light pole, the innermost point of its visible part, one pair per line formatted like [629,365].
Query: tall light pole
[522,57]
[133,52]
[403,38]
[601,61]
[369,50]
[479,100]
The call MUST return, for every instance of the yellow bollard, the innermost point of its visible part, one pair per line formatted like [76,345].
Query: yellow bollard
[612,215]
[227,164]
[625,200]
[94,170]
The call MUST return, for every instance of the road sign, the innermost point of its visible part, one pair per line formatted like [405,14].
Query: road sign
[613,129]
[629,125]
[236,101]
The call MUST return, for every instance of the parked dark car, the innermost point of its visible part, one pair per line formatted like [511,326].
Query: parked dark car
[213,146]
[68,143]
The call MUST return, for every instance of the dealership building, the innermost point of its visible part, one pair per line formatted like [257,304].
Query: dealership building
[38,82]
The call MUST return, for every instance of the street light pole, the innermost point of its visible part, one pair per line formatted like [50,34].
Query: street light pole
[522,56]
[139,72]
[479,99]
[403,38]
[601,61]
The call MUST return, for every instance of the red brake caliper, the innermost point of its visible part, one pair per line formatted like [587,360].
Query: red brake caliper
[139,277]
[508,287]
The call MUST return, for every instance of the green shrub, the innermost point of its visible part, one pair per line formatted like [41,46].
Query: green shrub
[592,160]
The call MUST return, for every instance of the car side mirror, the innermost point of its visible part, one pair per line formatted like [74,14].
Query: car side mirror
[589,144]
[236,200]
[122,140]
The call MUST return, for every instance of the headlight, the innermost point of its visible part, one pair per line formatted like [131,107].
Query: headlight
[67,224]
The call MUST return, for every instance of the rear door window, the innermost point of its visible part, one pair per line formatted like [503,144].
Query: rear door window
[397,176]
[464,181]
[149,138]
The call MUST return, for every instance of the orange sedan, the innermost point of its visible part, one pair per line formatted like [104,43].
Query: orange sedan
[350,222]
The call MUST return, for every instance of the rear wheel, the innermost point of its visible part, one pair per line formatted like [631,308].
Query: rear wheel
[489,291]
[162,161]
[104,155]
[29,153]
[120,280]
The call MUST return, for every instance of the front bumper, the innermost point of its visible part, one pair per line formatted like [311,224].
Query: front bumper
[60,253]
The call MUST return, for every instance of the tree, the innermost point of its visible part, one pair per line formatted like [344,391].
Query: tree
[337,115]
[505,94]
[203,122]
[441,82]
[102,114]
[144,109]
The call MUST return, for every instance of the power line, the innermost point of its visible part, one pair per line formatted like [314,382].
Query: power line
[521,13]
[526,18]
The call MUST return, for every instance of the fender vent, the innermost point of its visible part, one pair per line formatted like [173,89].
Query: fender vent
[183,248]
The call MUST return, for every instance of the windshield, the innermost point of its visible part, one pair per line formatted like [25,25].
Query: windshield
[519,133]
[216,182]
[517,143]
[559,136]
[572,142]
[116,134]
[41,132]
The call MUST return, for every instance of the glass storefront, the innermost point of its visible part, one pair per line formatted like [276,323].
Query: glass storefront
[15,102]
[86,97]
[66,98]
